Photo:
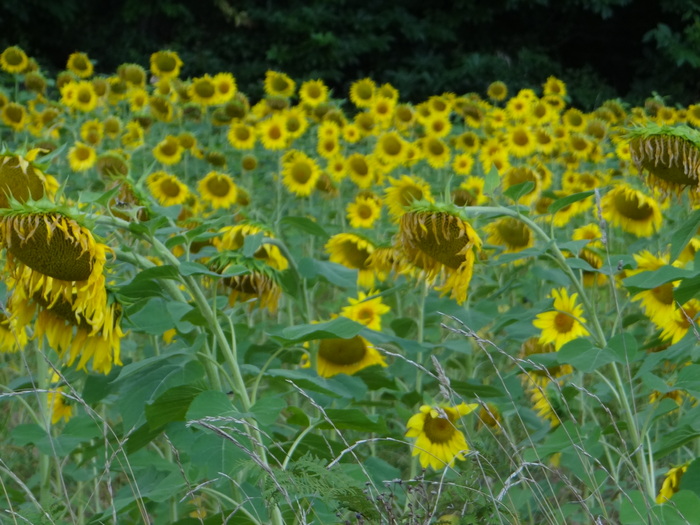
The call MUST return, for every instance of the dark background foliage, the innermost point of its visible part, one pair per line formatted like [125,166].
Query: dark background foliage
[601,48]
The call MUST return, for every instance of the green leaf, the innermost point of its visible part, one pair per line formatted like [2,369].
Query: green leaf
[306,225]
[691,478]
[568,200]
[689,380]
[340,327]
[188,268]
[674,439]
[634,508]
[582,355]
[681,237]
[267,409]
[353,419]
[492,181]
[652,279]
[210,403]
[472,389]
[296,416]
[307,379]
[252,243]
[623,347]
[687,289]
[334,273]
[153,318]
[170,406]
[519,190]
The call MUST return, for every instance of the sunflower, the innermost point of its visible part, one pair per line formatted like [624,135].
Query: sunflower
[365,123]
[92,132]
[168,151]
[278,84]
[497,91]
[439,442]
[671,483]
[391,149]
[521,142]
[437,240]
[574,120]
[382,108]
[404,191]
[669,156]
[218,189]
[554,86]
[241,136]
[468,142]
[166,64]
[13,332]
[295,122]
[463,163]
[299,172]
[631,210]
[313,93]
[521,174]
[470,192]
[436,152]
[346,356]
[61,407]
[683,319]
[161,108]
[226,87]
[404,117]
[81,95]
[112,126]
[203,91]
[352,251]
[14,115]
[564,323]
[361,169]
[133,74]
[167,188]
[511,234]
[14,60]
[80,65]
[81,157]
[112,164]
[273,132]
[328,147]
[364,211]
[134,135]
[362,92]
[21,180]
[36,82]
[233,238]
[658,303]
[367,309]
[540,375]
[518,108]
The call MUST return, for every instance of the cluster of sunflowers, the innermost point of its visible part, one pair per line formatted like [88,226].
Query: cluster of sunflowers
[389,185]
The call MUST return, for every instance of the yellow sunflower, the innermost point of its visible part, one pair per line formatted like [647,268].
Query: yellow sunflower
[362,92]
[391,149]
[463,164]
[203,91]
[470,192]
[92,132]
[684,318]
[226,88]
[278,84]
[346,356]
[361,169]
[565,323]
[631,210]
[497,91]
[233,237]
[554,86]
[13,331]
[35,82]
[14,60]
[313,92]
[436,152]
[658,303]
[81,157]
[241,136]
[671,483]
[161,108]
[60,405]
[367,309]
[520,174]
[438,440]
[510,234]
[273,132]
[364,211]
[21,180]
[403,191]
[80,65]
[218,189]
[300,173]
[14,115]
[133,74]
[167,188]
[352,251]
[168,151]
[436,240]
[84,96]
[166,64]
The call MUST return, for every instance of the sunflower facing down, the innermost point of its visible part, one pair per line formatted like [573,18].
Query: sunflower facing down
[352,251]
[346,356]
[438,440]
[631,210]
[436,240]
[564,323]
[259,286]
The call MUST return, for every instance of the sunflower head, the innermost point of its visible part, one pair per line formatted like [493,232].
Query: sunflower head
[346,356]
[669,155]
[21,179]
[259,285]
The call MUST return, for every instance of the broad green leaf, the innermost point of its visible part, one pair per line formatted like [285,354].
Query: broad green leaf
[153,318]
[210,403]
[568,200]
[188,268]
[634,508]
[582,355]
[673,439]
[170,406]
[492,181]
[252,243]
[336,274]
[519,190]
[687,289]
[689,380]
[471,389]
[652,279]
[681,510]
[307,379]
[691,478]
[306,225]
[681,237]
[266,410]
[353,419]
[623,347]
[340,327]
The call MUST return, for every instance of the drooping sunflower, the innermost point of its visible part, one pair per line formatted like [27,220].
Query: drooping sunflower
[658,303]
[21,180]
[218,189]
[80,65]
[671,483]
[510,234]
[14,60]
[436,240]
[313,92]
[631,210]
[166,64]
[167,188]
[367,309]
[92,132]
[81,157]
[403,191]
[670,157]
[439,442]
[258,286]
[233,238]
[364,211]
[13,332]
[346,356]
[61,407]
[168,151]
[565,323]
[352,251]
[112,164]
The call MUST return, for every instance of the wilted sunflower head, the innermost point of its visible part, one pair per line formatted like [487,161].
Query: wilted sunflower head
[248,280]
[21,179]
[435,239]
[669,155]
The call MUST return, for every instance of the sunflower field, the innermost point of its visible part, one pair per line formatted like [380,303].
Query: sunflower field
[324,307]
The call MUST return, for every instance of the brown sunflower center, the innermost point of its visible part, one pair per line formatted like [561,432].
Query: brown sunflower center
[301,172]
[563,323]
[438,429]
[205,89]
[14,57]
[275,132]
[218,186]
[521,138]
[364,211]
[664,293]
[359,166]
[242,133]
[355,256]
[169,188]
[342,351]
[59,255]
[391,146]
[165,63]
[437,235]
[365,92]
[514,233]
[280,84]
[629,206]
